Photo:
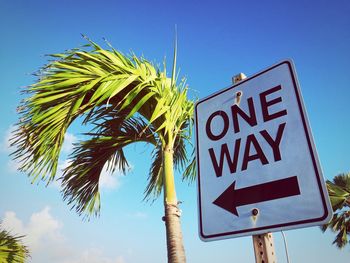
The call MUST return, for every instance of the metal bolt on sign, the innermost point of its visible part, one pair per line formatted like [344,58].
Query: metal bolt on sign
[264,248]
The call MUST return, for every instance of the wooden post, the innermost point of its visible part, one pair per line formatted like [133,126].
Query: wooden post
[264,248]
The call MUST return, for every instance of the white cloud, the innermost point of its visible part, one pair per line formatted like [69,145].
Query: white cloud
[69,140]
[94,255]
[12,223]
[46,242]
[120,259]
[42,228]
[138,215]
[110,181]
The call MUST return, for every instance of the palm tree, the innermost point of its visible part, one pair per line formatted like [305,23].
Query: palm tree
[339,193]
[124,99]
[11,248]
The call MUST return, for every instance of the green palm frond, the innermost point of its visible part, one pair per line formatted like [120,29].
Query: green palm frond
[79,83]
[155,176]
[339,224]
[339,191]
[343,181]
[11,248]
[180,153]
[81,178]
[189,173]
[339,194]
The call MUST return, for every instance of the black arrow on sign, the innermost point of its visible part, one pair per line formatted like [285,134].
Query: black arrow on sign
[231,197]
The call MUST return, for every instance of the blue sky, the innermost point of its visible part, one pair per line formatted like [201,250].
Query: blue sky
[217,39]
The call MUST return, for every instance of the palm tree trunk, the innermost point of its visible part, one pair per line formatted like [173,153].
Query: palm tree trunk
[176,252]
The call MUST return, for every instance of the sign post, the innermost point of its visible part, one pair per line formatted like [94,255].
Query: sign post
[257,166]
[264,248]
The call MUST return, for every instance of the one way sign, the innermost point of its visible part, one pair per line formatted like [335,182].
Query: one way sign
[257,165]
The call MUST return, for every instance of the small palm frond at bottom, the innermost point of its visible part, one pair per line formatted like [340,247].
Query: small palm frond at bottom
[11,248]
[339,194]
[339,224]
[343,181]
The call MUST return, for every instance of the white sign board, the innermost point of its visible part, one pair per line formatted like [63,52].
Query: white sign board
[257,166]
